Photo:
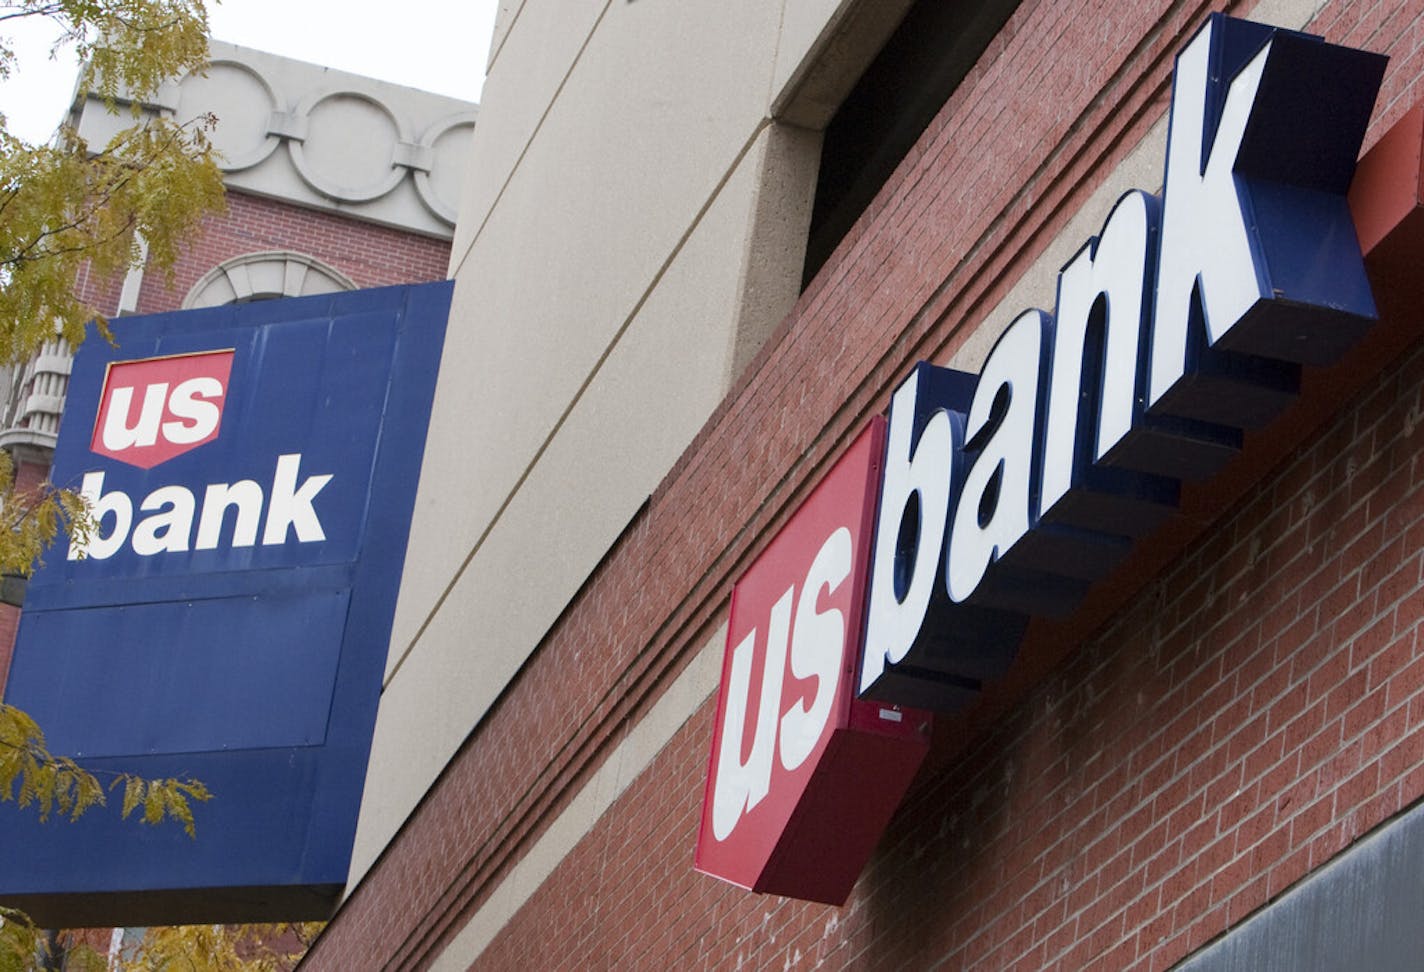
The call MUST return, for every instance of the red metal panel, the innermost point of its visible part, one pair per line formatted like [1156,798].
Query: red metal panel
[803,777]
[156,409]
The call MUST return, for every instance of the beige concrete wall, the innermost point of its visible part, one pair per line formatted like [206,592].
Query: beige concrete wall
[824,47]
[632,229]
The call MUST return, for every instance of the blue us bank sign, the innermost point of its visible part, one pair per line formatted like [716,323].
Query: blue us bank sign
[253,470]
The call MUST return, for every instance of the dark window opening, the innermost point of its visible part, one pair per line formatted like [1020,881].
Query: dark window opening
[906,85]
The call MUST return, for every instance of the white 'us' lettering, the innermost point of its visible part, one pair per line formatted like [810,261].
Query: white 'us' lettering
[192,403]
[817,645]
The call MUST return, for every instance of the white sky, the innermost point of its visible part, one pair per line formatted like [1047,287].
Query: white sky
[437,45]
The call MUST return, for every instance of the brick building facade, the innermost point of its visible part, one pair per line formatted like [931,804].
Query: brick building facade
[1231,720]
[366,254]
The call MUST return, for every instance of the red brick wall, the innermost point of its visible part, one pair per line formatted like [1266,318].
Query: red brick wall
[99,292]
[1254,710]
[9,624]
[1259,708]
[370,255]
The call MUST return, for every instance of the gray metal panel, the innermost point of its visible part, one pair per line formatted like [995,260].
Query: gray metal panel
[1362,911]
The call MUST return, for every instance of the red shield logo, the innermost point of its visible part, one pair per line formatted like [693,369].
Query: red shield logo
[154,409]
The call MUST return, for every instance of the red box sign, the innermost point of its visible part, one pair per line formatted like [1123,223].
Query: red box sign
[803,776]
[156,409]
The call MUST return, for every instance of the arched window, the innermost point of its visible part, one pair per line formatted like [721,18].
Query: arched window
[264,276]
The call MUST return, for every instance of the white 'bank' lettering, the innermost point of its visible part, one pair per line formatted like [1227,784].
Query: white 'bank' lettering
[1077,422]
[171,510]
